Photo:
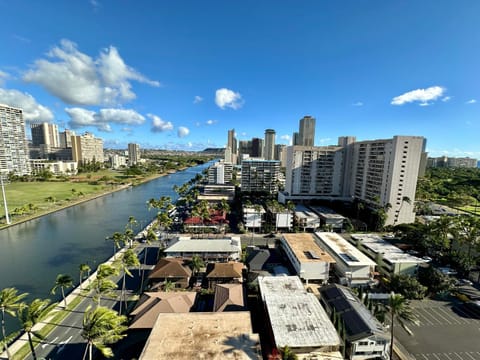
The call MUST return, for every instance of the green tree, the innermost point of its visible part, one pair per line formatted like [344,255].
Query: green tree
[84,269]
[399,310]
[129,259]
[196,264]
[288,354]
[63,281]
[117,239]
[102,327]
[31,314]
[102,285]
[10,301]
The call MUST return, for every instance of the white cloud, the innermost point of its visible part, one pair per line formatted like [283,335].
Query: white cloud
[159,125]
[103,119]
[211,122]
[446,98]
[358,103]
[228,98]
[3,76]
[471,101]
[182,131]
[32,111]
[77,79]
[419,95]
[197,99]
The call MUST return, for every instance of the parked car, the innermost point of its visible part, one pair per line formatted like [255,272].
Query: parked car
[427,259]
[447,271]
[461,282]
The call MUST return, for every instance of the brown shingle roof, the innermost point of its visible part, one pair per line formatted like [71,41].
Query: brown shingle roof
[170,268]
[229,297]
[225,270]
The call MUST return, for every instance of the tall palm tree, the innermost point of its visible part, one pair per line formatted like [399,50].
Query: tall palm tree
[129,259]
[63,281]
[151,236]
[196,263]
[31,314]
[102,327]
[117,239]
[399,309]
[10,301]
[102,285]
[84,269]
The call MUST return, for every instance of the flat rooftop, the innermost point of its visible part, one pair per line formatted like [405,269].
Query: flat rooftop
[217,336]
[305,249]
[349,254]
[304,212]
[327,212]
[186,244]
[296,316]
[389,252]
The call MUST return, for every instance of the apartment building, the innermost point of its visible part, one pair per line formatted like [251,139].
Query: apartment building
[87,148]
[133,154]
[269,152]
[306,132]
[220,173]
[13,142]
[45,134]
[260,175]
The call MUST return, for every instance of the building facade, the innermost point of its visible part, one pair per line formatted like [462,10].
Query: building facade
[87,148]
[307,131]
[260,175]
[133,154]
[269,150]
[45,134]
[220,173]
[13,143]
[66,138]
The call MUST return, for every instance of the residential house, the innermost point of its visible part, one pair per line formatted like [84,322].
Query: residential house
[229,297]
[172,270]
[224,273]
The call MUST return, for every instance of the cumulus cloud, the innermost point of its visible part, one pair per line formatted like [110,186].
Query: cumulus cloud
[197,99]
[32,111]
[211,122]
[159,125]
[423,96]
[446,98]
[358,103]
[103,119]
[3,76]
[78,79]
[183,131]
[471,101]
[228,98]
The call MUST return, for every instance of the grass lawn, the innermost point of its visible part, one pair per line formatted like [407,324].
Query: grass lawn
[472,209]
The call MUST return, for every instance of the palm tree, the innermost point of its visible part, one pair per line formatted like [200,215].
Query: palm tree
[84,268]
[288,354]
[128,260]
[117,238]
[63,281]
[196,263]
[10,301]
[399,309]
[151,236]
[102,285]
[31,314]
[101,327]
[168,286]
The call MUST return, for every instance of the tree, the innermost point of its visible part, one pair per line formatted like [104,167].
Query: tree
[405,199]
[168,286]
[117,238]
[196,264]
[399,309]
[83,268]
[31,314]
[151,236]
[63,281]
[129,259]
[102,285]
[102,327]
[288,354]
[10,301]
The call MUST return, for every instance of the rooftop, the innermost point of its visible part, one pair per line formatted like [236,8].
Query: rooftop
[326,212]
[297,318]
[305,249]
[213,336]
[186,244]
[345,250]
[388,251]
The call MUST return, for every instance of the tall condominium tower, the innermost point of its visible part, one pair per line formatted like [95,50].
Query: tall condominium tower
[133,154]
[87,148]
[66,138]
[257,148]
[231,150]
[45,134]
[269,152]
[307,131]
[13,143]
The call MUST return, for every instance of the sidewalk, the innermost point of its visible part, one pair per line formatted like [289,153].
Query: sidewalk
[77,291]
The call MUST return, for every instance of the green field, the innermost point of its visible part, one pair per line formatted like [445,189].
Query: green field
[45,196]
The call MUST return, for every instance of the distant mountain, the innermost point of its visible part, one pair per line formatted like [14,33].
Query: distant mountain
[213,151]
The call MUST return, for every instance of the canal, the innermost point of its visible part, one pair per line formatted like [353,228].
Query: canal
[33,253]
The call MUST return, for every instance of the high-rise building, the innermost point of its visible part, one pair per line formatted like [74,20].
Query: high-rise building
[452,162]
[244,149]
[13,142]
[307,131]
[269,149]
[87,148]
[45,134]
[296,138]
[133,154]
[257,148]
[231,151]
[259,175]
[281,154]
[66,138]
[379,172]
[220,173]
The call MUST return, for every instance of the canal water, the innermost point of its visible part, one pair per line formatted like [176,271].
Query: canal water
[33,253]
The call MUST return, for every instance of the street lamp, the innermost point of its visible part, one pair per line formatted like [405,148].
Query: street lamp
[7,219]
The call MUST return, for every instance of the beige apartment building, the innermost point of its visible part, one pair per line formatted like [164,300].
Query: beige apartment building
[87,148]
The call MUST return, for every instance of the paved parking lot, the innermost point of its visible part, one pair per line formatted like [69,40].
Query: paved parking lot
[446,331]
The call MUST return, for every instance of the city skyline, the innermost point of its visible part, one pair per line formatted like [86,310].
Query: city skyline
[179,76]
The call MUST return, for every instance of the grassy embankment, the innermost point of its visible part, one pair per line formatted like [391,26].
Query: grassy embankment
[33,199]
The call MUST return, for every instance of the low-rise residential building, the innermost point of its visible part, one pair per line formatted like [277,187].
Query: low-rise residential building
[209,249]
[216,193]
[297,319]
[253,216]
[351,265]
[309,260]
[172,270]
[229,297]
[201,335]
[389,258]
[329,219]
[55,167]
[306,218]
[363,336]
[224,273]
[279,216]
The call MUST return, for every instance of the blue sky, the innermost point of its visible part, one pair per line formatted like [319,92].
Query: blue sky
[179,74]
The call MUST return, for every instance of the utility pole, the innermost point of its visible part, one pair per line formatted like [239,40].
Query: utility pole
[4,201]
